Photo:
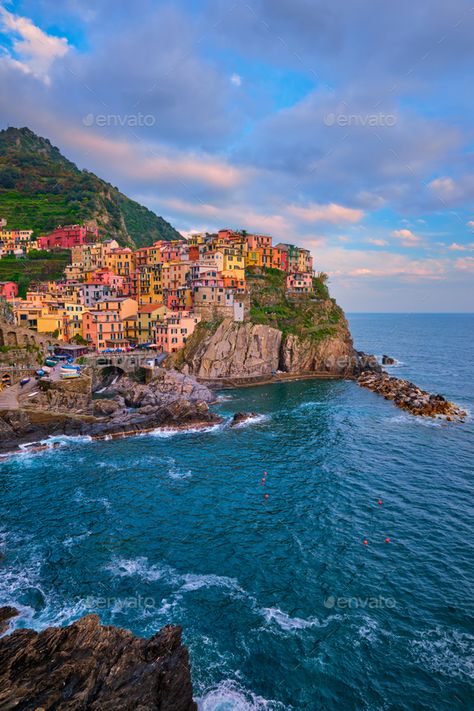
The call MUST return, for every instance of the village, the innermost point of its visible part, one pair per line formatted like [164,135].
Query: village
[115,299]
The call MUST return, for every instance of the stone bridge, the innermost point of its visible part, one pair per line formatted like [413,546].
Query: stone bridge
[127,362]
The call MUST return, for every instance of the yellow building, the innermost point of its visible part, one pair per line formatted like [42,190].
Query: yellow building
[141,328]
[149,284]
[253,258]
[121,261]
[229,262]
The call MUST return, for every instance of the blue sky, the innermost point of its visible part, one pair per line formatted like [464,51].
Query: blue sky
[344,127]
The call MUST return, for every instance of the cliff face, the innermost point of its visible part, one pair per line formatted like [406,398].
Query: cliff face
[235,350]
[90,666]
[246,350]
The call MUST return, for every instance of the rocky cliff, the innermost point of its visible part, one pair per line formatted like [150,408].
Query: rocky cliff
[90,666]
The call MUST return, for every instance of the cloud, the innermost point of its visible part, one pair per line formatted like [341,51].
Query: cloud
[34,50]
[470,224]
[378,242]
[408,238]
[332,213]
[236,80]
[465,264]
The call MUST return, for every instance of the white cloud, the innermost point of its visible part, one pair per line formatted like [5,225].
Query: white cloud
[332,213]
[378,242]
[35,50]
[408,238]
[236,80]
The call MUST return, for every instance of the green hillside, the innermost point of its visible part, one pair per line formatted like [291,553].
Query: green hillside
[40,189]
[38,266]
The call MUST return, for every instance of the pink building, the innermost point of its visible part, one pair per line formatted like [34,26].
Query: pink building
[173,332]
[256,241]
[68,237]
[8,290]
[299,283]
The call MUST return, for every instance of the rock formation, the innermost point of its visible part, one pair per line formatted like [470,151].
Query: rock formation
[235,350]
[240,351]
[410,397]
[170,399]
[90,666]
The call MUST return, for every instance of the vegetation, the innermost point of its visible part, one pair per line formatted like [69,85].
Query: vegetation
[316,317]
[40,189]
[33,268]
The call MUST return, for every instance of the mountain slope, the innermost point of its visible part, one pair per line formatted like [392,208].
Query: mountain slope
[40,189]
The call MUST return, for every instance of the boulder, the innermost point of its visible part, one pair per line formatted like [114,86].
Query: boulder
[7,613]
[241,417]
[105,408]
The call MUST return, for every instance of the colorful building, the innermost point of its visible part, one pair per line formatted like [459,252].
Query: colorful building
[68,237]
[173,332]
[299,283]
[8,290]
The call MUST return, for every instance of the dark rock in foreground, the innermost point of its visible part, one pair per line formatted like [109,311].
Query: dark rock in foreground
[387,360]
[90,666]
[7,613]
[410,397]
[241,417]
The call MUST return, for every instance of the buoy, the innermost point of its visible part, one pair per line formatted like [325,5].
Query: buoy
[380,502]
[266,496]
[366,542]
[263,482]
[387,540]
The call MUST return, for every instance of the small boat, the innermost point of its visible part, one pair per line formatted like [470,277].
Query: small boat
[24,381]
[71,367]
[69,374]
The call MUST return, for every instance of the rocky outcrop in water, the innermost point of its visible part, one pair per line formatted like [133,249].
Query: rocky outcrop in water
[240,417]
[92,666]
[410,397]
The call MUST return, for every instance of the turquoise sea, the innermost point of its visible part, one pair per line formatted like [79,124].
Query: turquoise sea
[283,606]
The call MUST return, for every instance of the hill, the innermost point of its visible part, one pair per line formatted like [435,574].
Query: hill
[40,189]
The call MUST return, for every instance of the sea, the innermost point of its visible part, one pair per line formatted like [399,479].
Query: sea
[320,556]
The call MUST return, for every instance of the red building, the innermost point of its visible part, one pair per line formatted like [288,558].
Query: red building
[68,237]
[8,290]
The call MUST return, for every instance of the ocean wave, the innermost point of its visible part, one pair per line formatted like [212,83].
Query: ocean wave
[229,695]
[79,496]
[186,582]
[251,421]
[287,623]
[443,651]
[166,432]
[74,540]
[174,472]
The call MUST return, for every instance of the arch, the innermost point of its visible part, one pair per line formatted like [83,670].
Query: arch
[12,339]
[110,374]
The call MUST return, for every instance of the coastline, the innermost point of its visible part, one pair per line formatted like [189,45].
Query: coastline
[36,446]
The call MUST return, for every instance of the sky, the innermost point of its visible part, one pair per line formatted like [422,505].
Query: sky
[344,127]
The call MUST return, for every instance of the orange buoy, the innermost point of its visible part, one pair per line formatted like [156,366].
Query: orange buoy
[266,496]
[387,540]
[380,502]
[366,542]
